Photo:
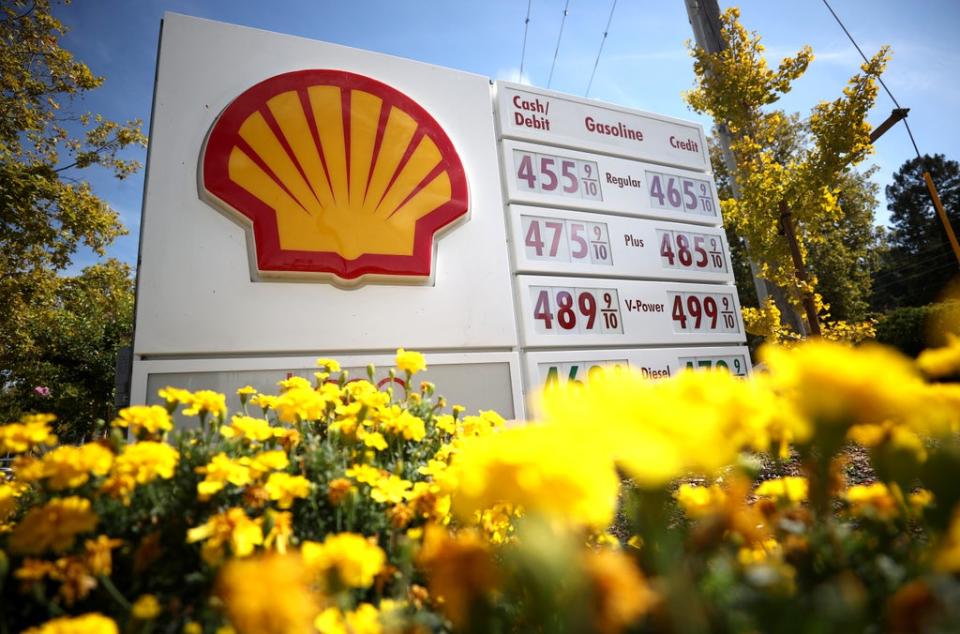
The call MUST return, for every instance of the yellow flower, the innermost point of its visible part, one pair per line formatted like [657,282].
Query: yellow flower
[175,396]
[364,474]
[374,440]
[91,623]
[700,501]
[264,401]
[151,419]
[410,361]
[460,568]
[760,553]
[218,472]
[99,558]
[446,423]
[390,490]
[941,362]
[68,467]
[294,382]
[206,402]
[406,425]
[32,431]
[233,527]
[352,559]
[330,364]
[300,404]
[872,500]
[9,492]
[483,424]
[338,489]
[896,435]
[280,602]
[948,555]
[364,620]
[141,463]
[284,488]
[53,526]
[790,489]
[248,428]
[146,607]
[280,532]
[621,593]
[246,390]
[267,461]
[525,467]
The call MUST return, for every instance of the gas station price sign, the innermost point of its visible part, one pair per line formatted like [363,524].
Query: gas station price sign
[557,241]
[559,177]
[564,311]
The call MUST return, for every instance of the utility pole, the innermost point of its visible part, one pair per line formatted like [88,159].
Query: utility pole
[704,16]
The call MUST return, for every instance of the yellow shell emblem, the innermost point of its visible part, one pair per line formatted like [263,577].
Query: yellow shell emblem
[337,173]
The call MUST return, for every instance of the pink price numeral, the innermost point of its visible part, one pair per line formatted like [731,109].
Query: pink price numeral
[525,171]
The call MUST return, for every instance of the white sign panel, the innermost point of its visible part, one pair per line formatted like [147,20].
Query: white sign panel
[562,312]
[555,177]
[549,117]
[561,242]
[559,368]
[196,294]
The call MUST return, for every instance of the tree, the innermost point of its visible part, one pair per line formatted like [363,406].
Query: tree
[47,212]
[920,262]
[779,161]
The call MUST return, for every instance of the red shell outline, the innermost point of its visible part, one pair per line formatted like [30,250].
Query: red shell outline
[215,180]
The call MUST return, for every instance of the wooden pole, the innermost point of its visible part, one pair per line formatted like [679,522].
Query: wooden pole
[786,221]
[943,214]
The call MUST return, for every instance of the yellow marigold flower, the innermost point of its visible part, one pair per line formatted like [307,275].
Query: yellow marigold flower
[206,402]
[294,382]
[68,467]
[265,401]
[299,404]
[760,553]
[722,415]
[281,531]
[363,620]
[231,527]
[526,466]
[32,431]
[835,383]
[331,365]
[151,419]
[410,361]
[285,488]
[192,627]
[621,593]
[146,607]
[896,435]
[790,489]
[218,472]
[99,558]
[446,423]
[460,568]
[53,526]
[9,492]
[286,607]
[352,559]
[700,501]
[246,390]
[872,500]
[364,474]
[485,423]
[267,461]
[366,393]
[920,499]
[374,440]
[248,428]
[338,489]
[140,463]
[174,396]
[941,362]
[948,554]
[92,623]
[390,490]
[406,425]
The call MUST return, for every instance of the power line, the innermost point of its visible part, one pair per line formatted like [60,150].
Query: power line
[556,51]
[523,50]
[880,79]
[602,42]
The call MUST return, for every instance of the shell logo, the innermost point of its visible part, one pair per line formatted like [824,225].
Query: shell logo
[337,174]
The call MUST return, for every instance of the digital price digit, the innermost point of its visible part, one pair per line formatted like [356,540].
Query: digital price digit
[687,250]
[575,310]
[674,193]
[565,241]
[735,364]
[703,312]
[549,174]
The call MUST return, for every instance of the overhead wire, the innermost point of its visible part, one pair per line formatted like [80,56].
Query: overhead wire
[603,40]
[523,49]
[879,79]
[556,51]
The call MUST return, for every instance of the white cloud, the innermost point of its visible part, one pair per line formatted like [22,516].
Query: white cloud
[513,74]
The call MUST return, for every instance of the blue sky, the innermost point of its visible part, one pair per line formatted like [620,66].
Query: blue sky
[644,63]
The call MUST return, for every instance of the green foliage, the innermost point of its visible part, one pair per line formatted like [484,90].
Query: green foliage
[50,327]
[807,165]
[910,329]
[920,262]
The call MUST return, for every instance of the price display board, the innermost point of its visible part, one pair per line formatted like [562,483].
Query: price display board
[560,242]
[559,312]
[556,368]
[558,177]
[544,116]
